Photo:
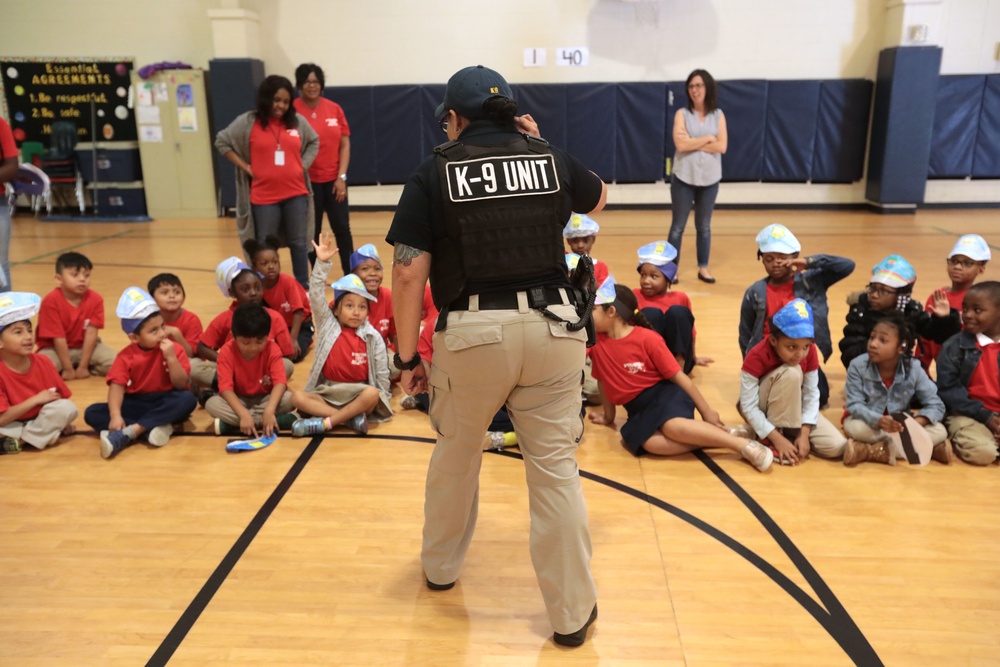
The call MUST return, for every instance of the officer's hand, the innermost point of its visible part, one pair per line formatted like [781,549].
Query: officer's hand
[415,381]
[527,125]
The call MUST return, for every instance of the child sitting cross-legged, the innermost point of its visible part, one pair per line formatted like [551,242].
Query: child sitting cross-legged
[252,384]
[635,369]
[34,401]
[779,389]
[147,383]
[349,379]
[581,234]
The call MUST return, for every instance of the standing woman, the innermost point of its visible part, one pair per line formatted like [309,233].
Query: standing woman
[701,138]
[272,149]
[8,170]
[328,172]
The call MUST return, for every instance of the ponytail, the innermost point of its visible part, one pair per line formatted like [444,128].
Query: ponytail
[253,247]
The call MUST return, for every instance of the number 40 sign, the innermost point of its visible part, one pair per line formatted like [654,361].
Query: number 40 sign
[566,56]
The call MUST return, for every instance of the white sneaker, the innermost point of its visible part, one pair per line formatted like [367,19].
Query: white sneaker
[493,441]
[160,435]
[757,454]
[408,403]
[742,431]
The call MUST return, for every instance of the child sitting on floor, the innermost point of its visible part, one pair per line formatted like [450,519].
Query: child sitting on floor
[581,234]
[635,369]
[34,401]
[182,325]
[282,293]
[349,379]
[147,383]
[366,264]
[882,383]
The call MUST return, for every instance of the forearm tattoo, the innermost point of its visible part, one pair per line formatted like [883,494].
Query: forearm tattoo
[405,254]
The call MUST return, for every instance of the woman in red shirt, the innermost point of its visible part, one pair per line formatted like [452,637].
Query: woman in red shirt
[272,150]
[328,172]
[8,170]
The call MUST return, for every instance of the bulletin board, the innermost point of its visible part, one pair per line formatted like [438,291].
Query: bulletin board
[38,92]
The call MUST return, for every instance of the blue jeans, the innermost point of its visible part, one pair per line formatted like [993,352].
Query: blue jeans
[682,198]
[289,217]
[147,410]
[325,201]
[5,228]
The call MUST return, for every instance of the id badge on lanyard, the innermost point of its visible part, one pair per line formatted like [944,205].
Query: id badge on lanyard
[279,158]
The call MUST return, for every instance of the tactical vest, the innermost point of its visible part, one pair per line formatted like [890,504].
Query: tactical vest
[502,215]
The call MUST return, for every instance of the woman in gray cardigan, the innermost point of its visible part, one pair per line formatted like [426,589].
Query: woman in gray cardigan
[272,151]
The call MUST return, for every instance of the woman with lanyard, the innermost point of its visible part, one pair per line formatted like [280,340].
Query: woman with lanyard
[8,170]
[272,150]
[701,138]
[328,172]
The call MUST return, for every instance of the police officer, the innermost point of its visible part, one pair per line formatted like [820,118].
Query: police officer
[483,219]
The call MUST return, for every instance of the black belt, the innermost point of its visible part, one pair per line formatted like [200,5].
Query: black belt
[508,300]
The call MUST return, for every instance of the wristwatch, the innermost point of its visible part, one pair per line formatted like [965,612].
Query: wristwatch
[407,366]
[343,177]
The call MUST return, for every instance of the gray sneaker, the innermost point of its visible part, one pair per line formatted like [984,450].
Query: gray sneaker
[160,435]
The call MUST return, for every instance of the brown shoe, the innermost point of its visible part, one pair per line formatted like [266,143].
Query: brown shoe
[858,452]
[943,453]
[881,452]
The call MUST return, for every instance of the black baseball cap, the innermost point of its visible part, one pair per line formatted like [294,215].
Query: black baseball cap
[469,88]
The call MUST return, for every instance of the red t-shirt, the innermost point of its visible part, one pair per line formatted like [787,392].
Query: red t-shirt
[272,182]
[929,350]
[190,327]
[425,343]
[253,377]
[380,314]
[627,366]
[286,297]
[16,388]
[984,385]
[348,360]
[58,318]
[330,123]
[428,308]
[8,147]
[777,297]
[145,371]
[762,359]
[221,329]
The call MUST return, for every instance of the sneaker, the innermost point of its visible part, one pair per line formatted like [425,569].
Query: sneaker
[204,396]
[113,442]
[493,442]
[742,431]
[225,428]
[942,453]
[286,421]
[409,403]
[9,445]
[311,426]
[577,638]
[160,435]
[358,424]
[757,454]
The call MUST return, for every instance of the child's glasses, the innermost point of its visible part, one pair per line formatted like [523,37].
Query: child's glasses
[964,263]
[879,290]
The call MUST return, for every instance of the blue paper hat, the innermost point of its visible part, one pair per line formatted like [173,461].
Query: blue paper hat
[572,259]
[894,271]
[134,306]
[777,238]
[363,254]
[17,307]
[226,271]
[795,320]
[350,284]
[972,246]
[661,255]
[606,292]
[580,225]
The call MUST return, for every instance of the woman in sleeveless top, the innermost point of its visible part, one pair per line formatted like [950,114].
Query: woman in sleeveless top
[701,138]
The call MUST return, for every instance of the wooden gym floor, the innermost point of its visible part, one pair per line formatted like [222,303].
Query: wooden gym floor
[307,552]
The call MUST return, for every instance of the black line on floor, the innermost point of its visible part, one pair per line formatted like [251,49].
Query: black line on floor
[834,618]
[187,620]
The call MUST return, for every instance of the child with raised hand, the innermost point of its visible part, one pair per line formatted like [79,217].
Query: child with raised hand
[635,369]
[779,389]
[34,401]
[790,277]
[366,264]
[182,325]
[580,233]
[239,282]
[70,319]
[252,383]
[669,313]
[147,383]
[884,382]
[966,262]
[969,377]
[890,290]
[282,293]
[349,379]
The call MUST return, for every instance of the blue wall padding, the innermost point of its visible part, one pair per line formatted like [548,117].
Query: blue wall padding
[356,101]
[398,132]
[676,99]
[591,126]
[546,103]
[841,130]
[639,155]
[986,161]
[430,127]
[956,124]
[790,130]
[745,105]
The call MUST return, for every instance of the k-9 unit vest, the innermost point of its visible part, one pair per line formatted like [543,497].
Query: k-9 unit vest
[502,215]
